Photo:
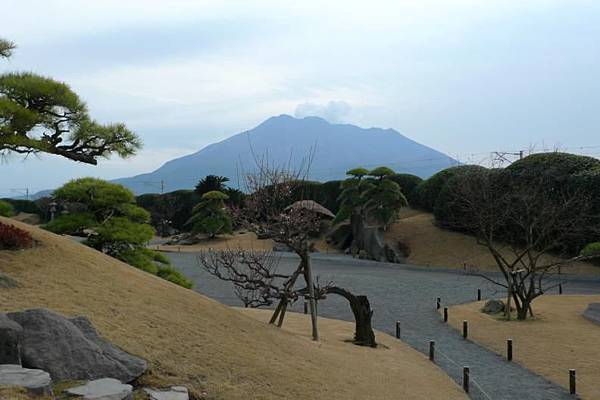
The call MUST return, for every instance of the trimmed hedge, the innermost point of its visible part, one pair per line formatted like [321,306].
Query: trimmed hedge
[427,192]
[408,184]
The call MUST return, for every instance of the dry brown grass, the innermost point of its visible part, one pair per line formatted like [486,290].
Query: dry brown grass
[435,247]
[239,240]
[192,340]
[559,339]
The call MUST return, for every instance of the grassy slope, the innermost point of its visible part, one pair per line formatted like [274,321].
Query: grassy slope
[192,340]
[432,246]
[559,339]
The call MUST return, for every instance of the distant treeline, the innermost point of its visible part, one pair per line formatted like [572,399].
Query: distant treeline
[176,207]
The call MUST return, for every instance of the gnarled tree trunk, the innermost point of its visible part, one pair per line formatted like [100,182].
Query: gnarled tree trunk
[363,333]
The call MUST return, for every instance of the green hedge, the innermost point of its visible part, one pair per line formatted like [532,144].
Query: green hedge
[426,194]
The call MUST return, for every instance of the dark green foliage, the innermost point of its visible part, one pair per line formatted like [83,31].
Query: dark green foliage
[25,206]
[211,183]
[374,198]
[408,183]
[235,197]
[6,209]
[72,224]
[210,216]
[381,172]
[41,115]
[427,192]
[557,175]
[174,207]
[329,193]
[170,274]
[106,214]
[559,165]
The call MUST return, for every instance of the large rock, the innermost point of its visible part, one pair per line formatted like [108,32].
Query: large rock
[493,307]
[174,393]
[592,312]
[10,341]
[36,381]
[102,389]
[72,349]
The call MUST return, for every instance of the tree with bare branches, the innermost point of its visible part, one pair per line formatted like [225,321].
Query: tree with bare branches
[267,212]
[521,220]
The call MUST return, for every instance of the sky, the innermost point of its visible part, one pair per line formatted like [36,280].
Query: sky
[464,77]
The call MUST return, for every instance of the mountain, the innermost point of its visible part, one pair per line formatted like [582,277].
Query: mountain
[285,140]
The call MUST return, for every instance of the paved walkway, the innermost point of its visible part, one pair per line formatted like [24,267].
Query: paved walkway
[408,294]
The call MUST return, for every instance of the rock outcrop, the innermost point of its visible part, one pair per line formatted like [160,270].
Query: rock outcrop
[493,307]
[174,393]
[36,381]
[10,339]
[592,313]
[102,389]
[71,349]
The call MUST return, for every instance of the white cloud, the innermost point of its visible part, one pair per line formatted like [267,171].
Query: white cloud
[333,111]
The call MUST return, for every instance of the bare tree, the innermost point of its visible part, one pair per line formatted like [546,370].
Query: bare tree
[267,212]
[257,282]
[521,221]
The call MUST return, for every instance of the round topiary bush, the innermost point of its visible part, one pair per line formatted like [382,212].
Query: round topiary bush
[408,183]
[427,192]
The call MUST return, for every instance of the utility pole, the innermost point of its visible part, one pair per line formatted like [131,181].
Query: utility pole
[501,157]
[160,184]
[24,191]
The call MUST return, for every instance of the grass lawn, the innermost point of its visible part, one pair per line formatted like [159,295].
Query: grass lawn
[216,351]
[558,339]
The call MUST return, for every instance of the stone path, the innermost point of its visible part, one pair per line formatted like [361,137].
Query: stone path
[408,294]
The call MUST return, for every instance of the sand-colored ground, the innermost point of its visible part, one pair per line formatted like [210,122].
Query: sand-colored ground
[192,340]
[238,240]
[435,247]
[559,339]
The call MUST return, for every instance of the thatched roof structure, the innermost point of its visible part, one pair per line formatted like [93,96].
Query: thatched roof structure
[312,206]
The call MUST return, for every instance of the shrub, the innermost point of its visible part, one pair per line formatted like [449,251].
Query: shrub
[210,216]
[408,183]
[72,224]
[25,206]
[428,191]
[13,238]
[172,275]
[6,209]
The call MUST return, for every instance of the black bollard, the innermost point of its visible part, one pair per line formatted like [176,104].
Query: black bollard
[466,379]
[478,294]
[509,349]
[465,329]
[432,350]
[445,314]
[572,382]
[438,303]
[397,329]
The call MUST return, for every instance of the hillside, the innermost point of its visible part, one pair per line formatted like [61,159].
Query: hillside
[213,349]
[338,147]
[435,247]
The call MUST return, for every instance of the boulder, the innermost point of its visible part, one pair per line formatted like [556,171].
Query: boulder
[102,389]
[10,341]
[36,381]
[72,349]
[592,313]
[174,393]
[493,307]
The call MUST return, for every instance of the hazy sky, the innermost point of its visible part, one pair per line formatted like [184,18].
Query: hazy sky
[460,76]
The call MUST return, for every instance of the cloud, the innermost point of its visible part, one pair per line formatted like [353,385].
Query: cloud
[334,111]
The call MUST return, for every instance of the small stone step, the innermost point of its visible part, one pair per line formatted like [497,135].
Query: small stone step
[175,393]
[102,389]
[36,381]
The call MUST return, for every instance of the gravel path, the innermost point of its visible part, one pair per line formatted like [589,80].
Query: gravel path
[407,294]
